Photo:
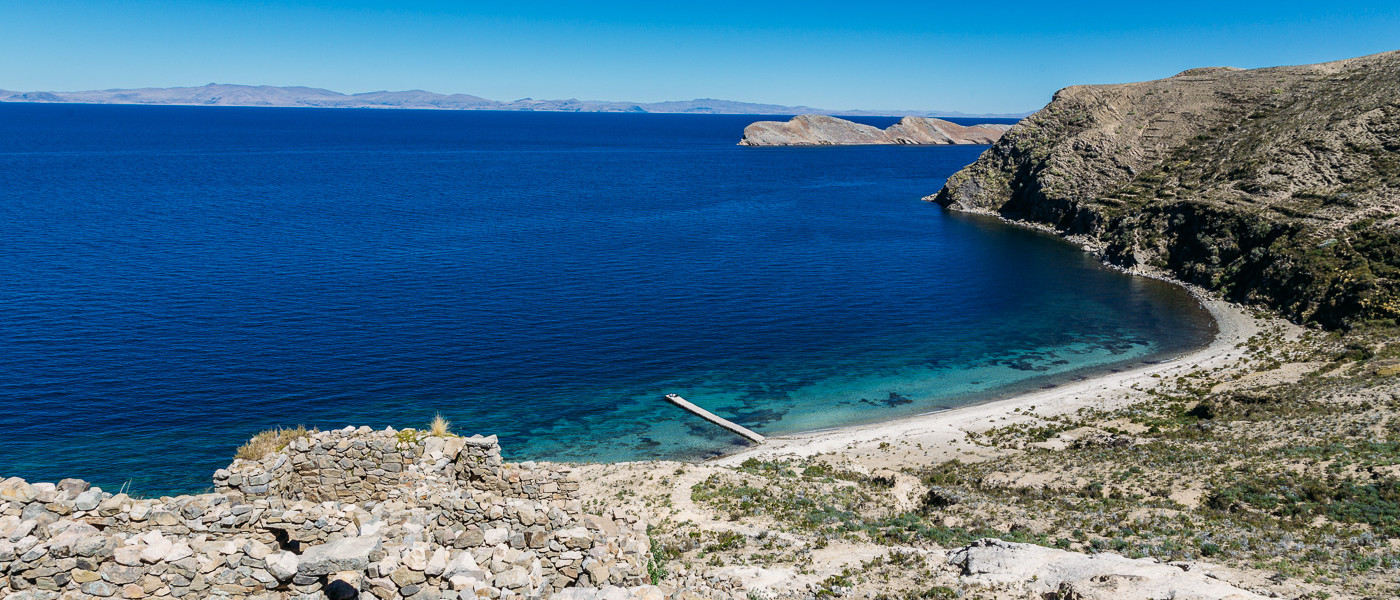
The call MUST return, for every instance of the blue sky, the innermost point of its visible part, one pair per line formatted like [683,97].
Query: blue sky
[993,57]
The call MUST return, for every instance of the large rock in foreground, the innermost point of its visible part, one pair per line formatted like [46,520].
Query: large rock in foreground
[1042,572]
[821,130]
[1277,186]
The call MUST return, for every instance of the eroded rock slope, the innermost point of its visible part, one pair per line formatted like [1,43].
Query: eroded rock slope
[1278,186]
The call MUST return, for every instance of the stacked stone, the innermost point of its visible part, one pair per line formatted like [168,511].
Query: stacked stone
[74,541]
[348,464]
[440,518]
[720,589]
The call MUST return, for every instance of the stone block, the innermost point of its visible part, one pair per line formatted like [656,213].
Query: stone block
[345,554]
[15,489]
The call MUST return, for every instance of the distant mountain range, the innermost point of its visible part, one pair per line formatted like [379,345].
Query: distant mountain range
[217,94]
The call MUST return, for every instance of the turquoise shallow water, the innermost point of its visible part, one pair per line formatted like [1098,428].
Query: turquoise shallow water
[181,278]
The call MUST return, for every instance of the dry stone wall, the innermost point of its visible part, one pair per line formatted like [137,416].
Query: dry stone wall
[351,513]
[362,464]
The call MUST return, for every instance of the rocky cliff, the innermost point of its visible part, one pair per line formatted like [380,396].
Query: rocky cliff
[1278,187]
[821,130]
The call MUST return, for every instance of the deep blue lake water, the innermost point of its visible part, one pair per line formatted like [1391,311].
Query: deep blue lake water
[178,278]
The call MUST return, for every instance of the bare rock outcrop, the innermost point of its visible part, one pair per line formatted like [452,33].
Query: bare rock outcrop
[1051,573]
[821,130]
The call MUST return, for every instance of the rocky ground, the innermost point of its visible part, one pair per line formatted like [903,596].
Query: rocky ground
[1273,474]
[326,515]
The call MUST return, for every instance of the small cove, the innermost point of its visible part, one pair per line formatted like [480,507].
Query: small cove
[183,277]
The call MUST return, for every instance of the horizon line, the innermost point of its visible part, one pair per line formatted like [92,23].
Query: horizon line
[327,98]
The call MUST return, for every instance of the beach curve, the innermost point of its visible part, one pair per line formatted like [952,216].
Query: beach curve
[944,433]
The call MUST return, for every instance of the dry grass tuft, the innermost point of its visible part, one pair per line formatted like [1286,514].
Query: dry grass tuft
[440,427]
[267,442]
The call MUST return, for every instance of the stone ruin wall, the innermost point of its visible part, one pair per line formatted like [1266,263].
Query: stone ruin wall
[351,513]
[370,465]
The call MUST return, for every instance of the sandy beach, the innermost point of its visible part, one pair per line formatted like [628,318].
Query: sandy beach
[942,435]
[673,493]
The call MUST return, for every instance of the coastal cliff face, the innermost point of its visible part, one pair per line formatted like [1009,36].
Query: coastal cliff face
[1278,187]
[821,130]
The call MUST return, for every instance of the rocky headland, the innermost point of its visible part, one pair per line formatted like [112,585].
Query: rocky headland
[1278,187]
[822,130]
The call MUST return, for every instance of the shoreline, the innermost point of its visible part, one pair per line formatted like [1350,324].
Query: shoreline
[949,428]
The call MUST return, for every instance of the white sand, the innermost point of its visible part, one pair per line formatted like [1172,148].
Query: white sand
[943,434]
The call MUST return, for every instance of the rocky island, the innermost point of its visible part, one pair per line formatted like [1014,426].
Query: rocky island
[821,130]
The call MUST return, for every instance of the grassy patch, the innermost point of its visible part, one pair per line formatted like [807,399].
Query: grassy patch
[1302,497]
[267,442]
[440,427]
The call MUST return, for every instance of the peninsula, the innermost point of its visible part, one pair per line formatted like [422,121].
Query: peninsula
[822,130]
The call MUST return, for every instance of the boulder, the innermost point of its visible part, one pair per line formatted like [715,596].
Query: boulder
[120,575]
[156,547]
[437,563]
[15,489]
[283,565]
[105,507]
[514,578]
[129,556]
[496,536]
[177,552]
[344,554]
[462,563]
[404,577]
[69,489]
[45,492]
[416,558]
[100,589]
